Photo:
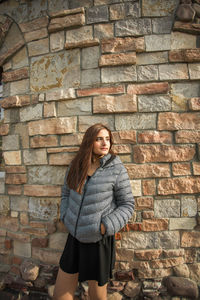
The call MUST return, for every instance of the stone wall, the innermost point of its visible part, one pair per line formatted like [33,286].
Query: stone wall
[134,67]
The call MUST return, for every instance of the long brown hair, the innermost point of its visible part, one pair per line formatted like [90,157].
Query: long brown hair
[80,164]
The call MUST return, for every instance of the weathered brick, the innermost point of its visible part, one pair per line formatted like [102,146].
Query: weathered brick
[155,225]
[32,157]
[82,44]
[148,214]
[148,254]
[158,9]
[149,187]
[154,273]
[162,153]
[194,104]
[148,170]
[190,239]
[38,47]
[15,75]
[97,14]
[178,121]
[148,88]
[22,237]
[15,169]
[52,126]
[39,242]
[196,168]
[12,157]
[60,159]
[43,141]
[10,52]
[16,178]
[46,256]
[182,185]
[173,252]
[9,223]
[15,101]
[118,59]
[180,169]
[4,129]
[134,27]
[66,12]
[173,71]
[123,44]
[147,137]
[120,89]
[35,35]
[42,190]
[69,21]
[166,263]
[34,25]
[114,104]
[61,94]
[187,27]
[102,31]
[14,190]
[184,55]
[124,136]
[187,136]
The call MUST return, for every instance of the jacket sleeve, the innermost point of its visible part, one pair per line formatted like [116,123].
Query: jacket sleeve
[123,196]
[64,198]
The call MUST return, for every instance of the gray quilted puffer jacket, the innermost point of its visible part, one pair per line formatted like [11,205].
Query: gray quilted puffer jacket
[106,198]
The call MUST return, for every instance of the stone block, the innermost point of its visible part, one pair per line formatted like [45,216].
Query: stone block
[177,121]
[187,27]
[136,187]
[92,53]
[10,142]
[79,35]
[180,40]
[155,225]
[46,256]
[118,74]
[149,187]
[75,107]
[33,112]
[20,58]
[114,104]
[133,27]
[148,170]
[46,175]
[162,25]
[49,71]
[16,178]
[12,157]
[179,169]
[182,223]
[60,94]
[173,71]
[42,190]
[117,12]
[158,57]
[32,157]
[90,77]
[147,73]
[4,129]
[87,121]
[69,21]
[9,223]
[181,185]
[4,57]
[35,35]
[52,126]
[154,137]
[22,130]
[43,209]
[19,87]
[34,24]
[49,109]
[15,75]
[135,121]
[188,206]
[184,55]
[186,89]
[57,41]
[14,190]
[123,44]
[196,168]
[167,208]
[150,8]
[194,71]
[57,241]
[102,31]
[38,47]
[156,42]
[22,249]
[180,286]
[61,159]
[124,136]
[117,59]
[194,104]
[120,89]
[148,254]
[97,14]
[19,203]
[4,205]
[71,140]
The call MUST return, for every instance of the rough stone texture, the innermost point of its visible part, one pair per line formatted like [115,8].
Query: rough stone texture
[185,185]
[117,59]
[158,42]
[133,27]
[123,44]
[148,88]
[150,170]
[15,101]
[158,9]
[176,121]
[29,270]
[154,103]
[118,74]
[15,75]
[182,40]
[68,21]
[175,71]
[180,286]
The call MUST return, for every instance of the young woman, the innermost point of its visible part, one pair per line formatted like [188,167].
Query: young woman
[96,203]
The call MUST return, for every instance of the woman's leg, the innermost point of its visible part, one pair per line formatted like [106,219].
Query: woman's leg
[65,286]
[97,292]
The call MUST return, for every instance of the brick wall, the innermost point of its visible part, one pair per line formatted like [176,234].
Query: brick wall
[132,66]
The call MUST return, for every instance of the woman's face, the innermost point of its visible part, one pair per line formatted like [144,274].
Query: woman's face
[101,145]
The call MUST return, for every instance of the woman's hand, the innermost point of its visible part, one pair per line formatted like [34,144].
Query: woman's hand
[103,229]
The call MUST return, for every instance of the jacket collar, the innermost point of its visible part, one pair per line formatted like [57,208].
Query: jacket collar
[104,160]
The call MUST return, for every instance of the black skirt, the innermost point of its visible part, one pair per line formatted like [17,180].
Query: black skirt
[93,261]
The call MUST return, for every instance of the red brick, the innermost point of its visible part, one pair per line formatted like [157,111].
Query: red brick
[16,260]
[154,137]
[178,121]
[14,189]
[34,231]
[60,23]
[16,178]
[4,129]
[194,104]
[148,214]
[148,254]
[123,44]
[15,169]
[134,227]
[148,170]
[15,75]
[148,88]
[179,169]
[40,242]
[15,101]
[42,190]
[143,203]
[184,55]
[117,59]
[155,225]
[120,89]
[190,239]
[149,187]
[82,44]
[196,168]
[181,185]
[121,149]
[8,244]
[124,136]
[43,141]
[187,136]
